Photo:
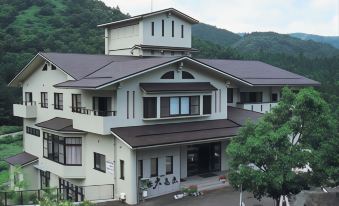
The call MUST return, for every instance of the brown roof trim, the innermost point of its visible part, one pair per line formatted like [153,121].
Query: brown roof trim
[177,87]
[59,124]
[21,159]
[140,17]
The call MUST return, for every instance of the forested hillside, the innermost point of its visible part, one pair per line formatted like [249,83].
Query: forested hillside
[331,40]
[30,26]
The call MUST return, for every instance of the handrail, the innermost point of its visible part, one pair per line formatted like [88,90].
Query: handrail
[84,110]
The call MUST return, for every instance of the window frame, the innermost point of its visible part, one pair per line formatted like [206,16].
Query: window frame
[95,162]
[156,166]
[76,103]
[33,131]
[230,95]
[186,75]
[122,169]
[45,178]
[52,141]
[245,97]
[168,75]
[44,100]
[206,110]
[58,104]
[146,101]
[167,101]
[171,164]
[140,169]
[276,97]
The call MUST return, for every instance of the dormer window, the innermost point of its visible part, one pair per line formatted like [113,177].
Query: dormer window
[45,67]
[53,67]
[187,75]
[168,75]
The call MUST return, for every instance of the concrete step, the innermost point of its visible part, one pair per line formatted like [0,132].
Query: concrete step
[212,186]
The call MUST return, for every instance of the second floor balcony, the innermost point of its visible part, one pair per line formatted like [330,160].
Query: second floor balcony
[25,109]
[260,107]
[95,121]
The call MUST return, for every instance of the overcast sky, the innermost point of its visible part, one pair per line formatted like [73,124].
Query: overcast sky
[283,16]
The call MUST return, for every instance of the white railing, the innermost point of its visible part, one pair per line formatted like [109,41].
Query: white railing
[261,107]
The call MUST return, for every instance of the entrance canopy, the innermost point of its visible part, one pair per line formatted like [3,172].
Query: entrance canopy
[146,136]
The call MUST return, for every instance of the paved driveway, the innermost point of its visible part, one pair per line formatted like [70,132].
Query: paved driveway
[221,197]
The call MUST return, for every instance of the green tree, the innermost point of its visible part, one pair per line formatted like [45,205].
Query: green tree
[267,156]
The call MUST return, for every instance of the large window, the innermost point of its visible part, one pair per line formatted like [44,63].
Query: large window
[207,104]
[58,101]
[99,162]
[150,107]
[76,103]
[250,97]
[69,191]
[229,95]
[122,169]
[44,100]
[44,179]
[33,131]
[180,106]
[169,165]
[274,97]
[64,150]
[154,167]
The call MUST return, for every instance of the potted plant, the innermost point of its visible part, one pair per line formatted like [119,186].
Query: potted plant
[222,178]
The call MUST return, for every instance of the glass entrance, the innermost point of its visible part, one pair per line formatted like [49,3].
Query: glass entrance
[203,158]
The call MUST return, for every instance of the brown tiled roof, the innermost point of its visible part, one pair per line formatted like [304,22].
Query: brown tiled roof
[21,159]
[240,116]
[59,124]
[186,132]
[177,87]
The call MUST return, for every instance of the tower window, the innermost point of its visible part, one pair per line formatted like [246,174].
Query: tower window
[44,68]
[172,28]
[182,31]
[152,28]
[163,27]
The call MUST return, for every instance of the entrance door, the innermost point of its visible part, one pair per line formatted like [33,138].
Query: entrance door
[203,158]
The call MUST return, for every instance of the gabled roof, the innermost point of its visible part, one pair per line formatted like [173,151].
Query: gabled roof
[21,159]
[138,137]
[98,71]
[60,125]
[137,18]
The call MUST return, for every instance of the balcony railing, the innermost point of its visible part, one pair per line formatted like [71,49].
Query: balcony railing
[84,110]
[81,193]
[25,109]
[261,107]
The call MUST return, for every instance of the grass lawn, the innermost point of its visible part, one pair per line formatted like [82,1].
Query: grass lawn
[9,129]
[9,146]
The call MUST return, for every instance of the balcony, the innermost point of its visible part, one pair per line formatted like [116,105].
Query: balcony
[63,171]
[25,109]
[94,121]
[261,107]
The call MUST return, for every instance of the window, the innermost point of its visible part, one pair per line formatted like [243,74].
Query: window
[250,97]
[33,131]
[122,169]
[152,28]
[150,107]
[172,53]
[140,168]
[28,98]
[229,95]
[179,106]
[53,67]
[58,101]
[64,150]
[152,52]
[207,104]
[182,31]
[44,100]
[154,167]
[274,97]
[44,179]
[168,75]
[163,28]
[99,162]
[71,192]
[44,68]
[172,28]
[186,75]
[76,103]
[169,165]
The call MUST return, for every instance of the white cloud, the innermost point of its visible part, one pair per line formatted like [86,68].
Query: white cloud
[284,16]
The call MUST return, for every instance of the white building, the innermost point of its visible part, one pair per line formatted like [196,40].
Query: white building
[145,109]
